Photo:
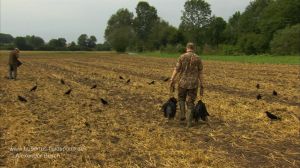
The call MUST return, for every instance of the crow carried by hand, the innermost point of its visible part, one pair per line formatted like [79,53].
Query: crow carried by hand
[169,108]
[200,112]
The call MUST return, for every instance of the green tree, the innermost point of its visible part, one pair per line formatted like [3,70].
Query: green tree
[86,43]
[144,22]
[252,43]
[215,31]
[195,18]
[278,15]
[83,40]
[121,18]
[249,28]
[103,47]
[35,42]
[232,30]
[287,41]
[73,47]
[119,32]
[57,44]
[91,42]
[6,38]
[250,19]
[22,44]
[119,38]
[162,34]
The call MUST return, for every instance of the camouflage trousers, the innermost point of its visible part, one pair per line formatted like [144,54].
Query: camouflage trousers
[187,95]
[12,71]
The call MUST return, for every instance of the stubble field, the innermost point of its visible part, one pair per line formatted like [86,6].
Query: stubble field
[56,130]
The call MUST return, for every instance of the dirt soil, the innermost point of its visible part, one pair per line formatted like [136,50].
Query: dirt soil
[56,130]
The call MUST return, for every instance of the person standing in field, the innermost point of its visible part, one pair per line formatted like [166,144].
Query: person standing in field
[190,70]
[13,63]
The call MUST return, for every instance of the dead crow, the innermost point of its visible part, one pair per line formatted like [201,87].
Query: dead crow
[120,77]
[22,99]
[62,81]
[94,87]
[166,80]
[272,116]
[275,93]
[68,92]
[200,112]
[151,83]
[257,86]
[169,108]
[87,124]
[114,139]
[258,97]
[128,81]
[104,102]
[33,88]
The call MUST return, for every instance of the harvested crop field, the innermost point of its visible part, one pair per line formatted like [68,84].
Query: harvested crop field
[52,129]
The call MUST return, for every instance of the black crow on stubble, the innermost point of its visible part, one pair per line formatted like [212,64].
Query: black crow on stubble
[258,97]
[120,77]
[33,88]
[200,112]
[62,82]
[22,99]
[87,124]
[151,83]
[104,102]
[169,108]
[272,116]
[275,93]
[128,81]
[166,80]
[257,86]
[94,87]
[68,92]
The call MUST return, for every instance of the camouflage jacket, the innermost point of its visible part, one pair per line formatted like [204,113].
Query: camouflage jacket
[13,58]
[189,67]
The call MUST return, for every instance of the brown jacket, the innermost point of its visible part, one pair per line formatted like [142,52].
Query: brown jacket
[13,58]
[189,67]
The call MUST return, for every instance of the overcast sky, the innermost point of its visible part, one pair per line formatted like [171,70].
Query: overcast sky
[70,18]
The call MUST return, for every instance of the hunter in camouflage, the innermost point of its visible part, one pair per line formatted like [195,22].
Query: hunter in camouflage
[189,70]
[13,63]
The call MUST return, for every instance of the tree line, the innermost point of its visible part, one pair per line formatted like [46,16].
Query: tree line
[265,27]
[84,43]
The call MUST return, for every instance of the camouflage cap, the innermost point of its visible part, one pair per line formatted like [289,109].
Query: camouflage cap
[190,46]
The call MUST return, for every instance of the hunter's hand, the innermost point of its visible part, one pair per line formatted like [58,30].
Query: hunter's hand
[172,86]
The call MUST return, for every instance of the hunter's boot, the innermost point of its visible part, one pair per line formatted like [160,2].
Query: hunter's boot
[182,111]
[189,116]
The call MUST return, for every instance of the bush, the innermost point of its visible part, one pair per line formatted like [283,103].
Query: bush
[230,49]
[103,47]
[169,49]
[253,43]
[180,48]
[120,38]
[286,41]
[7,46]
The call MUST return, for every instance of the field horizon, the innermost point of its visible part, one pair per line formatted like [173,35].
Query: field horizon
[253,59]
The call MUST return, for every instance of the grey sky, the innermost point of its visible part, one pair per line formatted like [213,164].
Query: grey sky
[70,18]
